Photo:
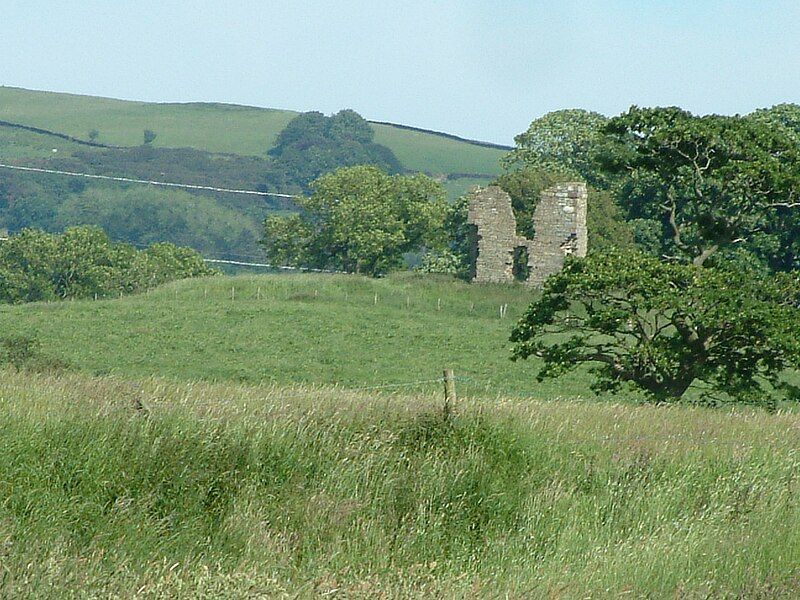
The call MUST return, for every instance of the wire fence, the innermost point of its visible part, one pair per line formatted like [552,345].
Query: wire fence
[450,407]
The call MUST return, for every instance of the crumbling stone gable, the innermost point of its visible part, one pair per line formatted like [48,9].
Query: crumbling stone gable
[559,222]
[490,210]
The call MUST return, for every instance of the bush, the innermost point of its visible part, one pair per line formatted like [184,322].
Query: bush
[23,352]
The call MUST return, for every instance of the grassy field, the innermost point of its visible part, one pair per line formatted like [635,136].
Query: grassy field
[230,491]
[459,187]
[220,128]
[316,329]
[18,144]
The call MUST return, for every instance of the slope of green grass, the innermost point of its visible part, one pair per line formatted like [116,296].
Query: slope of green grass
[18,144]
[212,127]
[435,154]
[459,187]
[325,329]
[220,128]
[225,491]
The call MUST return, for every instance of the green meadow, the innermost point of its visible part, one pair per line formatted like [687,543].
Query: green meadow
[315,329]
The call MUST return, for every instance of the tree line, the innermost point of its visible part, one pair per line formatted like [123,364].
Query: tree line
[83,262]
[704,305]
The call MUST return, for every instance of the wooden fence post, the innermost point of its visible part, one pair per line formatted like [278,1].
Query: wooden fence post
[449,392]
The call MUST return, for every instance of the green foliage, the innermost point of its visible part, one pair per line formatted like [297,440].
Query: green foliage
[781,115]
[287,240]
[82,262]
[149,136]
[359,220]
[94,134]
[443,262]
[712,181]
[313,144]
[145,216]
[606,223]
[664,327]
[562,143]
[525,186]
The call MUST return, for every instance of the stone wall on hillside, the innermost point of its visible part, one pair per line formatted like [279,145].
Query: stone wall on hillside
[559,222]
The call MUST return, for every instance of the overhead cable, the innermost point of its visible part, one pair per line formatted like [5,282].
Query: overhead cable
[186,186]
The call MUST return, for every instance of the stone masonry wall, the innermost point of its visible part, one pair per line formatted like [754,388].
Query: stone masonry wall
[560,225]
[559,221]
[490,210]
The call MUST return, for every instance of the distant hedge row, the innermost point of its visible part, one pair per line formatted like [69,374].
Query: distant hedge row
[83,262]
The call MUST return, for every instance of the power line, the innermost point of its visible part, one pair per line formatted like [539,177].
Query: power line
[186,186]
[268,266]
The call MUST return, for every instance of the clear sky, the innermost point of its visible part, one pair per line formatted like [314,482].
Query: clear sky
[477,68]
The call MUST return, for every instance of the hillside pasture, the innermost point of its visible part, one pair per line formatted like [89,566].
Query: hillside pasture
[315,329]
[222,128]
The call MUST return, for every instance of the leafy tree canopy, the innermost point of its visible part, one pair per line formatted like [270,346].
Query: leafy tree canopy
[665,326]
[711,181]
[785,115]
[313,144]
[360,220]
[146,215]
[83,261]
[562,143]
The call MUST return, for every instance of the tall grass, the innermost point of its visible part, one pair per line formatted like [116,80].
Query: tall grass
[156,489]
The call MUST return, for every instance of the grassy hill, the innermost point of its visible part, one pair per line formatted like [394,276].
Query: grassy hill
[222,128]
[314,329]
[19,144]
[229,491]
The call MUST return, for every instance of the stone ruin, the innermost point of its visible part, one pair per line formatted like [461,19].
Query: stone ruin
[501,256]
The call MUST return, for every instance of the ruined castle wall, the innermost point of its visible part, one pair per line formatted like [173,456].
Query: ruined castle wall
[490,210]
[559,222]
[560,225]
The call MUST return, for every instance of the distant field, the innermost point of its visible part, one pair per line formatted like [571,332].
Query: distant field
[459,187]
[438,155]
[220,128]
[230,491]
[20,144]
[315,329]
[212,127]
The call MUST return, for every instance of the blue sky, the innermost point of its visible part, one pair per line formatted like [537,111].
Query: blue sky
[479,69]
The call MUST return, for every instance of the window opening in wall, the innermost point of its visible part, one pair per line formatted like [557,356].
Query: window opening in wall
[521,270]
